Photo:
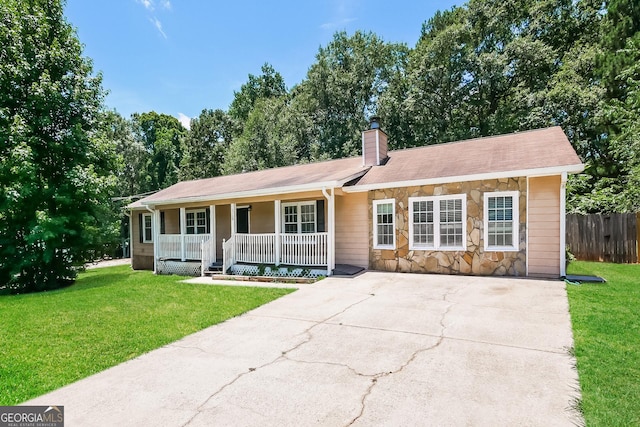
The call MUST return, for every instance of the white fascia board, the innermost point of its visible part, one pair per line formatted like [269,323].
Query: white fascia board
[556,170]
[262,192]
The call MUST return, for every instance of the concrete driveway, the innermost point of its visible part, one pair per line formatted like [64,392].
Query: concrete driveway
[377,349]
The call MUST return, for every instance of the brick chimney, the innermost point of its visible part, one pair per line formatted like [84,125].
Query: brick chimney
[374,144]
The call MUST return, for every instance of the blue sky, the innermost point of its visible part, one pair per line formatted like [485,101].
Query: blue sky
[179,57]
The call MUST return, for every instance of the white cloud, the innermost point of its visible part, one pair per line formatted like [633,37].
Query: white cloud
[341,13]
[156,22]
[335,24]
[148,4]
[185,120]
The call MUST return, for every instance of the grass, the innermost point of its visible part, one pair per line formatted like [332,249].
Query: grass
[606,329]
[108,316]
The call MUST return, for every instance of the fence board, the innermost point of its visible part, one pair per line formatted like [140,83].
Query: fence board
[604,237]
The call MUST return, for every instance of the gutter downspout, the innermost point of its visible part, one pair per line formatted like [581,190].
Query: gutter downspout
[155,239]
[331,244]
[127,212]
[563,225]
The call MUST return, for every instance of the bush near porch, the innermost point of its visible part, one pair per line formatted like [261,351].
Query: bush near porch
[606,327]
[108,316]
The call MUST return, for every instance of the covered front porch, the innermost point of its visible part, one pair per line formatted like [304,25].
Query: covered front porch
[292,233]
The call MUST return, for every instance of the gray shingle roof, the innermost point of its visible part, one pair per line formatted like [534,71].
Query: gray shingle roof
[523,151]
[536,149]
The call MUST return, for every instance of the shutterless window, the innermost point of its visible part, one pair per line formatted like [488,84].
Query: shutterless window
[147,225]
[437,222]
[451,233]
[384,224]
[422,227]
[501,221]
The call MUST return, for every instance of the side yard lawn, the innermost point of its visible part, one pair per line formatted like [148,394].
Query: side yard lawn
[108,316]
[606,329]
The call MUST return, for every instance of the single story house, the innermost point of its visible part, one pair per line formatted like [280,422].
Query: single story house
[485,206]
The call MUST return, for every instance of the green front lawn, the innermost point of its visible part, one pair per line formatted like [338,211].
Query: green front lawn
[606,329]
[108,316]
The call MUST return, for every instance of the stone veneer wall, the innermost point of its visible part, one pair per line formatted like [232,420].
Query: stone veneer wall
[472,261]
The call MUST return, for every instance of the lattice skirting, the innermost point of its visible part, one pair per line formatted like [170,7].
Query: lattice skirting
[253,270]
[186,268]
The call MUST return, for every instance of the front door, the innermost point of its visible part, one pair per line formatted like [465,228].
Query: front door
[242,220]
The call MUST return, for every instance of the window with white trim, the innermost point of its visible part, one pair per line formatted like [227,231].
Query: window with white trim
[299,217]
[438,222]
[384,224]
[421,223]
[196,221]
[147,228]
[501,223]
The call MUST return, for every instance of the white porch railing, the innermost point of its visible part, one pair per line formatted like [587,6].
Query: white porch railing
[304,250]
[309,249]
[208,255]
[170,246]
[192,243]
[295,249]
[255,248]
[228,254]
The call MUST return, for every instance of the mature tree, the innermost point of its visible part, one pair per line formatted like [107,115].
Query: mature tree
[269,84]
[205,145]
[477,70]
[54,173]
[267,140]
[424,105]
[161,135]
[620,26]
[132,157]
[610,147]
[612,179]
[342,88]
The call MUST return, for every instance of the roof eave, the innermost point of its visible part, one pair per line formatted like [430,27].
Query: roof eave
[548,171]
[256,193]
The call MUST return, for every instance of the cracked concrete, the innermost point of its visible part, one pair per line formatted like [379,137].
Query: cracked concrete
[377,349]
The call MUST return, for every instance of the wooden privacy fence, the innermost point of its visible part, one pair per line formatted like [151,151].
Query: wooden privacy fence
[604,237]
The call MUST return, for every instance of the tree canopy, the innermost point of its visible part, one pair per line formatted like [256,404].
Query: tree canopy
[480,69]
[55,169]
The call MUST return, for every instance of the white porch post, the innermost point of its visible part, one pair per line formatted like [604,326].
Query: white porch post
[331,235]
[277,227]
[212,230]
[233,219]
[183,232]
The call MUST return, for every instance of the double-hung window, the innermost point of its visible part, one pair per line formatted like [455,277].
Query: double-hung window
[147,228]
[438,222]
[501,223]
[196,221]
[421,222]
[299,217]
[384,225]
